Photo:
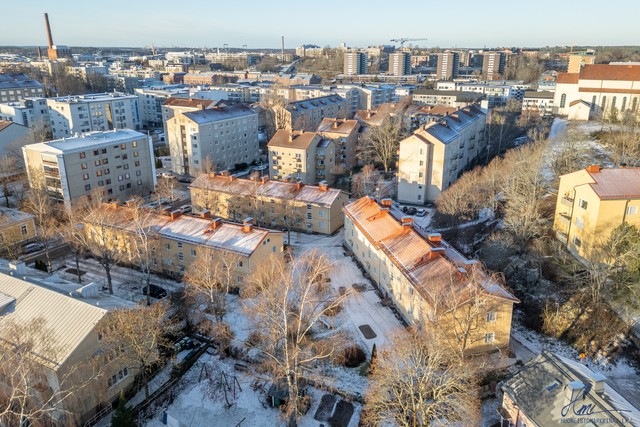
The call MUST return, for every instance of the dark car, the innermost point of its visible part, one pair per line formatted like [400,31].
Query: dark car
[32,247]
[155,291]
[412,211]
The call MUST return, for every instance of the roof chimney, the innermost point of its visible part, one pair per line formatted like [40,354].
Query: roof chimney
[435,237]
[386,202]
[206,214]
[593,169]
[573,391]
[166,211]
[215,224]
[407,223]
[298,185]
[335,124]
[323,186]
[175,214]
[291,137]
[597,383]
[247,225]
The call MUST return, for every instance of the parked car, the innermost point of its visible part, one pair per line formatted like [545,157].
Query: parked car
[30,248]
[421,212]
[185,209]
[155,291]
[412,211]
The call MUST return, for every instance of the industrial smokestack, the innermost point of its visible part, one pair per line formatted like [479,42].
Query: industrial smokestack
[283,48]
[49,37]
[39,54]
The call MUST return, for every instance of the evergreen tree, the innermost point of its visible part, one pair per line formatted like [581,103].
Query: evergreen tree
[122,416]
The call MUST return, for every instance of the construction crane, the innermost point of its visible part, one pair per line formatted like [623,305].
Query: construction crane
[403,40]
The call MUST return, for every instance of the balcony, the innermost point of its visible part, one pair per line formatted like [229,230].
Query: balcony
[567,202]
[564,220]
[562,237]
[320,166]
[319,156]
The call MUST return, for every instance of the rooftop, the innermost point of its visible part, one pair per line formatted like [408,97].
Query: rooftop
[92,97]
[619,183]
[311,103]
[610,72]
[18,80]
[337,126]
[10,216]
[568,78]
[300,140]
[215,114]
[459,95]
[87,140]
[529,94]
[448,127]
[188,102]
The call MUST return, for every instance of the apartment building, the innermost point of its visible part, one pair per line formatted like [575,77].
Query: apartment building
[592,202]
[28,112]
[16,227]
[539,103]
[423,275]
[400,63]
[356,63]
[609,90]
[345,135]
[177,240]
[301,156]
[306,208]
[435,156]
[449,98]
[213,139]
[73,115]
[16,86]
[73,327]
[151,100]
[493,64]
[176,105]
[308,114]
[12,136]
[579,60]
[553,391]
[448,65]
[118,163]
[309,50]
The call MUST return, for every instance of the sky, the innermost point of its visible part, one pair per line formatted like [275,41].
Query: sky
[261,23]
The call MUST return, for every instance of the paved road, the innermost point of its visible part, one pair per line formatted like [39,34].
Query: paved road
[55,252]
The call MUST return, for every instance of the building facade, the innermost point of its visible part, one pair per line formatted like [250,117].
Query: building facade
[301,156]
[493,64]
[425,278]
[118,164]
[16,227]
[16,86]
[284,205]
[213,139]
[400,63]
[538,103]
[448,65]
[355,63]
[449,98]
[436,155]
[345,134]
[151,100]
[77,114]
[308,114]
[592,202]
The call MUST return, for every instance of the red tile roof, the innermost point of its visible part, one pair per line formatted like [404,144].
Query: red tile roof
[571,78]
[620,183]
[610,72]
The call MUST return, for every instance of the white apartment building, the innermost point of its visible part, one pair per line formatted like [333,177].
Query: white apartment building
[119,163]
[535,102]
[77,114]
[435,156]
[150,100]
[15,86]
[29,112]
[213,139]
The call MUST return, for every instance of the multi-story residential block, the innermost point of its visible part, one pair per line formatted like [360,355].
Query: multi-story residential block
[308,114]
[435,156]
[151,100]
[178,239]
[345,135]
[29,112]
[592,202]
[119,164]
[355,63]
[400,63]
[74,329]
[611,91]
[16,86]
[307,208]
[449,98]
[309,50]
[427,279]
[448,65]
[553,391]
[213,139]
[13,136]
[493,64]
[16,227]
[73,115]
[301,156]
[539,103]
[579,60]
[177,105]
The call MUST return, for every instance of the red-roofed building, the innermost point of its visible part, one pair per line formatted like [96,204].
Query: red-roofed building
[611,90]
[594,201]
[426,278]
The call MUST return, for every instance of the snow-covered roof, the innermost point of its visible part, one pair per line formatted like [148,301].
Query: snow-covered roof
[86,141]
[10,216]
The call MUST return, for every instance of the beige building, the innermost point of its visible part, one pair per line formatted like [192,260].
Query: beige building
[427,279]
[16,227]
[493,64]
[312,209]
[213,139]
[119,164]
[611,90]
[592,202]
[345,135]
[435,156]
[174,106]
[400,63]
[308,114]
[301,156]
[579,60]
[178,239]
[355,62]
[448,65]
[73,330]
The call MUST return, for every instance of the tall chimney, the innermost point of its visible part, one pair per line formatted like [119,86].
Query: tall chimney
[282,48]
[49,37]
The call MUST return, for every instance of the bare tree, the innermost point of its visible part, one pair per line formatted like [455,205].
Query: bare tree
[73,232]
[286,302]
[8,170]
[364,183]
[212,276]
[11,241]
[417,383]
[166,188]
[292,216]
[27,396]
[277,117]
[136,337]
[382,142]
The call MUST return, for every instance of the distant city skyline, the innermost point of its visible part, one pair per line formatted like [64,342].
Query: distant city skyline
[260,24]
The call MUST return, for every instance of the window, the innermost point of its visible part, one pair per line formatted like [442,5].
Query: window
[23,229]
[193,252]
[87,187]
[240,263]
[83,155]
[134,143]
[489,337]
[180,256]
[624,104]
[83,166]
[135,154]
[491,316]
[583,204]
[563,100]
[421,163]
[309,216]
[105,161]
[167,246]
[180,245]
[577,241]
[103,151]
[580,223]
[123,146]
[138,173]
[85,176]
[96,152]
[613,101]
[604,103]
[632,210]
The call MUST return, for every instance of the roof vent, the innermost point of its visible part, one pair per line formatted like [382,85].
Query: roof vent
[593,169]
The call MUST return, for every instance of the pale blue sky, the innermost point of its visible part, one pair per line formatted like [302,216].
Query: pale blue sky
[260,23]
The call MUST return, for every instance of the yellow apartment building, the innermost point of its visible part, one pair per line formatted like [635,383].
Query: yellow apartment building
[274,204]
[345,134]
[594,201]
[430,283]
[16,227]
